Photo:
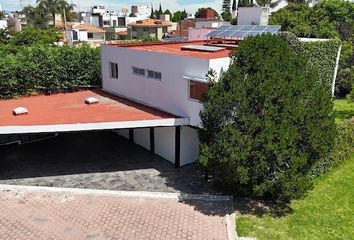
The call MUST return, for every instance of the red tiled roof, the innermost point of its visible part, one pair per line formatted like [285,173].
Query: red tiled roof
[76,25]
[70,108]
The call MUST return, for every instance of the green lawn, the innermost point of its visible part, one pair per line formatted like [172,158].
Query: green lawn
[327,212]
[343,110]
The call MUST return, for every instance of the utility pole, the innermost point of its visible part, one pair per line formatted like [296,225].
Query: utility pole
[64,13]
[21,5]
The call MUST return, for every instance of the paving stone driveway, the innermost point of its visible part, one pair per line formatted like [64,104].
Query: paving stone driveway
[96,160]
[36,215]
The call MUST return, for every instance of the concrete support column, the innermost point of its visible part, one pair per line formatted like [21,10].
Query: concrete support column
[178,147]
[152,140]
[131,135]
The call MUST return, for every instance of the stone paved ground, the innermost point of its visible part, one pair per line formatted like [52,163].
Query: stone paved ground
[96,160]
[36,215]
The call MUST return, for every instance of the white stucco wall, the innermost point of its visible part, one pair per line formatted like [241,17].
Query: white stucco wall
[142,137]
[3,24]
[220,65]
[195,34]
[123,132]
[91,20]
[82,36]
[171,94]
[96,37]
[253,15]
[165,142]
[189,145]
[208,24]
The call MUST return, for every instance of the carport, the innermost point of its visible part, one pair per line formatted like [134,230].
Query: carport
[158,131]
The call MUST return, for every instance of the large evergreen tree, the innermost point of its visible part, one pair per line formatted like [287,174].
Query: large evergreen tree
[267,121]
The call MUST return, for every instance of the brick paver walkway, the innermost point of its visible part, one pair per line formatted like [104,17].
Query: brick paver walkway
[96,160]
[46,215]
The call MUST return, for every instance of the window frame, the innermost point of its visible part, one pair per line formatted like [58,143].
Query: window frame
[139,71]
[154,74]
[189,90]
[112,75]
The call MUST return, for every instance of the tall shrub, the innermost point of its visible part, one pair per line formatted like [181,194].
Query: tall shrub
[267,121]
[42,68]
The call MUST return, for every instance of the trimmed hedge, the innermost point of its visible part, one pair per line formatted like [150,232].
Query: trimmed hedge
[343,149]
[47,69]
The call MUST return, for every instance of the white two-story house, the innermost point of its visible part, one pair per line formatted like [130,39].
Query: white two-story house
[167,76]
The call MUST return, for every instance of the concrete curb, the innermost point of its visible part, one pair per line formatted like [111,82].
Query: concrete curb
[113,193]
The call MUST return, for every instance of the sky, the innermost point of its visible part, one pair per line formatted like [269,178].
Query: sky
[190,5]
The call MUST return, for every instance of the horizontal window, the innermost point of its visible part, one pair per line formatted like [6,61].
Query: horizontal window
[197,90]
[155,75]
[138,71]
[142,72]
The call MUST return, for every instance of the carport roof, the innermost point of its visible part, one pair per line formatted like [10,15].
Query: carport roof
[66,112]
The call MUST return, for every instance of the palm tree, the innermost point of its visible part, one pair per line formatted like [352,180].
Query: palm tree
[68,9]
[36,16]
[56,6]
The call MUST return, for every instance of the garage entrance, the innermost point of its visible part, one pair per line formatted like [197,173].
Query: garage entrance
[97,160]
[160,132]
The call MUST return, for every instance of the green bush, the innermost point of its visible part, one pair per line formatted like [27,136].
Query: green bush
[343,149]
[350,96]
[267,121]
[29,36]
[41,68]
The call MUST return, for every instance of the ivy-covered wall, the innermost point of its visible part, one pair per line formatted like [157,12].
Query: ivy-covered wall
[323,56]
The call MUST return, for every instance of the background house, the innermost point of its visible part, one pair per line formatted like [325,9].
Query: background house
[3,24]
[150,28]
[77,32]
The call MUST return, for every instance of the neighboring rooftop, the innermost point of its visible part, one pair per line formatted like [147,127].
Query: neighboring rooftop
[70,108]
[88,28]
[150,23]
[75,25]
[178,49]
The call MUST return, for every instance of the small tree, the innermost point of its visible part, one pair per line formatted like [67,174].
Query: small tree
[199,12]
[159,12]
[168,12]
[226,16]
[152,15]
[267,121]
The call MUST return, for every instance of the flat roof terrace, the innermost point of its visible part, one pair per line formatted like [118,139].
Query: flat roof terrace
[65,112]
[177,49]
